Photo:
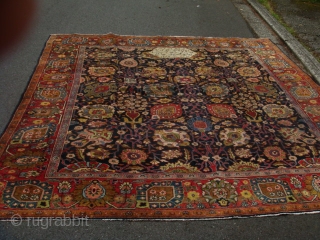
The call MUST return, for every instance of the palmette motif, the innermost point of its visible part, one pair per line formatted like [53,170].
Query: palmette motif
[162,127]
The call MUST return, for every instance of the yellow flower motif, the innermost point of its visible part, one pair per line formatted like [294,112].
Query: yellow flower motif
[164,100]
[38,121]
[223,202]
[193,195]
[305,193]
[216,100]
[67,199]
[245,181]
[187,184]
[45,103]
[246,194]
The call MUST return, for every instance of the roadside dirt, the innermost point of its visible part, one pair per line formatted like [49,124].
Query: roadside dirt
[304,19]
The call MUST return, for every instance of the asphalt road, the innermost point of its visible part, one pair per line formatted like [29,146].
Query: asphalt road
[215,18]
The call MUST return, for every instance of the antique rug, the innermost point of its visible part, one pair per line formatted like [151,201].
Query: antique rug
[121,127]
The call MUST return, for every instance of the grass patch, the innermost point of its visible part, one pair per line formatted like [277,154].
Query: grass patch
[268,5]
[312,1]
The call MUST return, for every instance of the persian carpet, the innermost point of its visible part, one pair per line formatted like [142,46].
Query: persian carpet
[123,127]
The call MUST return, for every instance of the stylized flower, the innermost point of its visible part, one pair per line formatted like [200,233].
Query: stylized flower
[97,124]
[234,136]
[31,174]
[277,111]
[249,71]
[275,153]
[313,109]
[215,90]
[179,167]
[171,138]
[25,159]
[246,194]
[101,71]
[243,167]
[313,185]
[119,199]
[205,158]
[219,191]
[154,72]
[193,195]
[243,152]
[164,100]
[300,151]
[93,193]
[296,182]
[96,112]
[203,70]
[67,199]
[70,155]
[98,153]
[126,187]
[133,156]
[285,122]
[64,187]
[199,124]
[171,154]
[221,63]
[129,62]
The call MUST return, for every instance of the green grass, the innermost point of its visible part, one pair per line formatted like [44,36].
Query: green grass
[268,5]
[313,1]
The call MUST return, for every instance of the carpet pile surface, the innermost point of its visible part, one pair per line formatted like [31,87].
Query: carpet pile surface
[133,127]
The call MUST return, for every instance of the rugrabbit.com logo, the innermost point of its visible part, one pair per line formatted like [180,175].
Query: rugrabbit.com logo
[46,222]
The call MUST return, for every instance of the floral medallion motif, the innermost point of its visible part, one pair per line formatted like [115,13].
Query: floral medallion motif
[219,191]
[100,89]
[275,153]
[51,94]
[101,71]
[277,111]
[33,134]
[157,90]
[159,195]
[166,111]
[179,167]
[313,185]
[314,110]
[133,156]
[234,136]
[171,138]
[216,90]
[221,110]
[27,194]
[199,124]
[96,111]
[26,159]
[249,72]
[304,92]
[129,62]
[154,72]
[93,194]
[272,191]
